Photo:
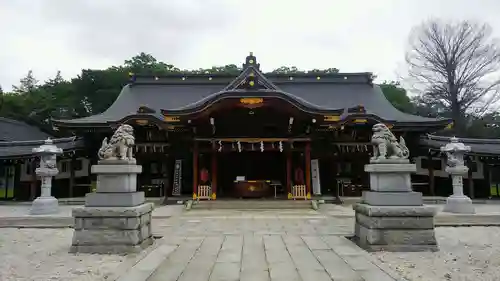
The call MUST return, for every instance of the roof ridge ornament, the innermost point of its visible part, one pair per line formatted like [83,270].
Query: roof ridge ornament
[251,60]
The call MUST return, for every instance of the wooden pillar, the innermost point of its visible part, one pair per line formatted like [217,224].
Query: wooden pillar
[430,168]
[72,165]
[289,173]
[214,173]
[166,184]
[195,170]
[470,180]
[34,180]
[308,169]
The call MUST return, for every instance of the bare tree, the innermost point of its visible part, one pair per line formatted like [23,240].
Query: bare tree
[455,65]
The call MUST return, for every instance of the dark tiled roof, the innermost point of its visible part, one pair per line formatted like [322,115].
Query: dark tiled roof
[478,146]
[23,149]
[316,95]
[344,95]
[13,130]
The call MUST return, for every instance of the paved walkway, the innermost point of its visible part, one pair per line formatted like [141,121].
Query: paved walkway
[255,245]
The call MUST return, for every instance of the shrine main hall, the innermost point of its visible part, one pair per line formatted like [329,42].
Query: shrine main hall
[254,135]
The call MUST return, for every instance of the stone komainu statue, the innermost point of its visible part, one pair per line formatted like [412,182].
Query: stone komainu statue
[119,146]
[385,144]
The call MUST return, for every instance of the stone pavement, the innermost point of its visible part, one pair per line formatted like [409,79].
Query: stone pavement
[255,245]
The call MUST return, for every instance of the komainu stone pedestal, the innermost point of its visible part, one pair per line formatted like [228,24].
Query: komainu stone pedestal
[115,218]
[112,230]
[395,228]
[391,217]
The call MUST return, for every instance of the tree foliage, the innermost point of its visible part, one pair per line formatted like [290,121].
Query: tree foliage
[398,96]
[455,66]
[93,91]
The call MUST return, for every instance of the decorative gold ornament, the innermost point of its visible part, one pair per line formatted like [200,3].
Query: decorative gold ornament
[251,83]
[332,118]
[251,101]
[171,119]
[214,196]
[142,122]
[359,121]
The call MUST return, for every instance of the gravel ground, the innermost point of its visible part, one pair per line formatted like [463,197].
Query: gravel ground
[466,253]
[42,254]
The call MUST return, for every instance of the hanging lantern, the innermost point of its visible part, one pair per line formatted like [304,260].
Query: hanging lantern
[281,146]
[239,146]
[261,146]
[220,146]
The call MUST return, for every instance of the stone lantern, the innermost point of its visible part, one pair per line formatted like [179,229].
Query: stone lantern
[457,202]
[46,203]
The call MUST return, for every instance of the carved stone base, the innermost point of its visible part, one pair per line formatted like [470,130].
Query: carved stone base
[44,206]
[395,228]
[390,177]
[459,205]
[124,199]
[116,176]
[116,230]
[392,198]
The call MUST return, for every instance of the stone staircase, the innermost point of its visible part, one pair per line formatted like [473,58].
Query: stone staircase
[252,204]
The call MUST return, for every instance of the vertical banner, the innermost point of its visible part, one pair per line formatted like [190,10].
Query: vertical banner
[316,185]
[176,190]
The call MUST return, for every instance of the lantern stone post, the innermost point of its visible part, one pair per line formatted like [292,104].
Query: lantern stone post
[46,203]
[455,166]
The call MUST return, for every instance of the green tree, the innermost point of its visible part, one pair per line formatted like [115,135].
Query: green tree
[230,69]
[398,96]
[325,71]
[287,70]
[27,84]
[147,64]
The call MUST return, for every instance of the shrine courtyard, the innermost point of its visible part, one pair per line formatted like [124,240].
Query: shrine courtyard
[248,245]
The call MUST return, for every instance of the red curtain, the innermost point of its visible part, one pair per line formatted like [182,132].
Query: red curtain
[298,176]
[204,176]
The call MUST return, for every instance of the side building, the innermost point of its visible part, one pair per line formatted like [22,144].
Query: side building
[18,180]
[483,179]
[252,135]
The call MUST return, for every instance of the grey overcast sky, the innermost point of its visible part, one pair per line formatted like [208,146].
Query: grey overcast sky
[352,35]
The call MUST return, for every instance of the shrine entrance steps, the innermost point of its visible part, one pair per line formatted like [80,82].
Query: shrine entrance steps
[252,204]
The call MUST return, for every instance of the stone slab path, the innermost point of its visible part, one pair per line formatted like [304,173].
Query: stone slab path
[256,245]
[265,257]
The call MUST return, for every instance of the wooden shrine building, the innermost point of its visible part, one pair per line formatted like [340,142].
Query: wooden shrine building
[255,135]
[18,180]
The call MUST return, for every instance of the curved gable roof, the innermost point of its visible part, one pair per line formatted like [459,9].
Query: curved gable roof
[13,130]
[182,94]
[478,146]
